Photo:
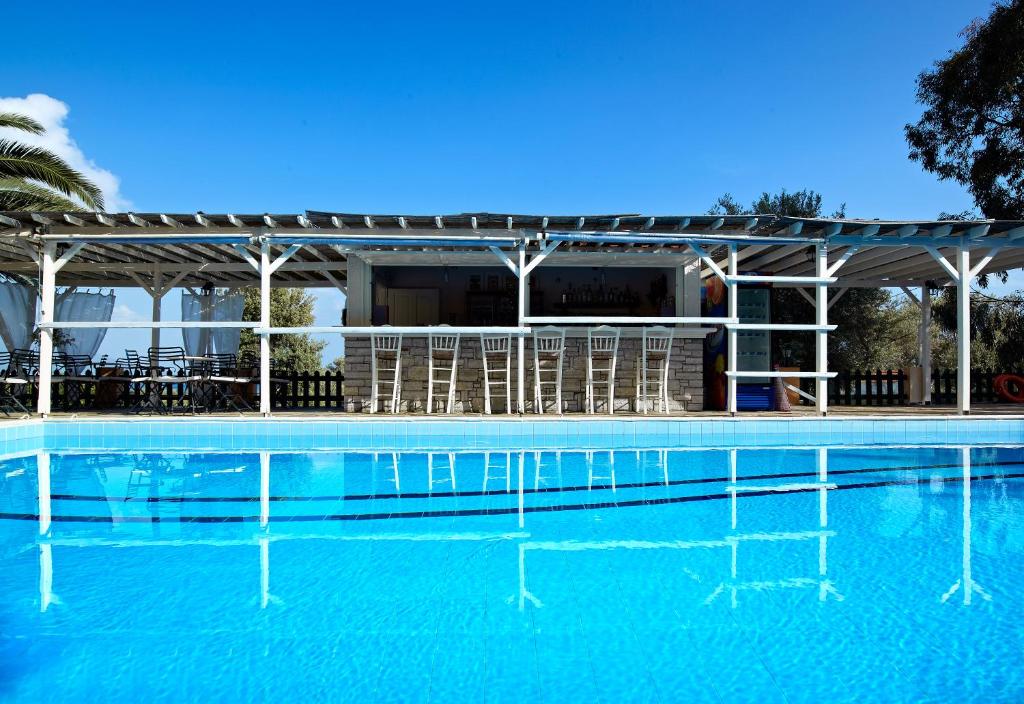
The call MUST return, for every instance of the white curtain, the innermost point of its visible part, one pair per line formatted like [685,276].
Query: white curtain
[228,307]
[222,305]
[85,306]
[17,314]
[192,305]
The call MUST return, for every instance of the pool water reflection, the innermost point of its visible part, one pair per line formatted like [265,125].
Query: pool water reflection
[776,574]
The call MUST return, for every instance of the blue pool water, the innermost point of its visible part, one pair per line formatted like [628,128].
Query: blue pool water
[817,573]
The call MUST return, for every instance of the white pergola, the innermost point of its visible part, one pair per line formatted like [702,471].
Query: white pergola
[822,258]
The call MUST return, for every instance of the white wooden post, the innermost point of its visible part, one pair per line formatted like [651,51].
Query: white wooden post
[688,294]
[265,323]
[926,343]
[821,336]
[157,294]
[732,290]
[47,292]
[521,341]
[963,330]
[358,303]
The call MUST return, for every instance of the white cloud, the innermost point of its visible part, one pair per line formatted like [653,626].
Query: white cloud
[126,314]
[52,113]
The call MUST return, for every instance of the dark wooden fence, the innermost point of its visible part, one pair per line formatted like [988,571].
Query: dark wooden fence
[290,390]
[890,387]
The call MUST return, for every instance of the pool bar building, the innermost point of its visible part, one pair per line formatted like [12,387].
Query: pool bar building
[502,313]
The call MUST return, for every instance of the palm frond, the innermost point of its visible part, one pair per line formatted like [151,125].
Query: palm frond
[21,122]
[22,161]
[20,195]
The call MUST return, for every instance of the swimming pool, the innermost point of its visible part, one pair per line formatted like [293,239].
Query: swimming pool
[637,561]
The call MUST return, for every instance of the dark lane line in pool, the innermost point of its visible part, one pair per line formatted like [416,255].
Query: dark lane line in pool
[499,511]
[502,492]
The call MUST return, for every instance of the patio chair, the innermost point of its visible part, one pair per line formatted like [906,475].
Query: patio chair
[19,376]
[71,371]
[223,383]
[166,369]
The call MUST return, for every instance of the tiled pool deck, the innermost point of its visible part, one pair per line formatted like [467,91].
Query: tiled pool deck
[415,433]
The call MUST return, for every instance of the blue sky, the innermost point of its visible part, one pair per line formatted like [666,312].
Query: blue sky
[652,107]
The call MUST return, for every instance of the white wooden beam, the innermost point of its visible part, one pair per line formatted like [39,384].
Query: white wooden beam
[76,221]
[963,328]
[337,222]
[270,222]
[649,223]
[937,256]
[171,222]
[285,256]
[505,259]
[139,222]
[732,294]
[985,261]
[67,256]
[683,224]
[978,231]
[839,294]
[910,294]
[47,291]
[368,221]
[439,222]
[541,256]
[700,252]
[821,305]
[235,220]
[242,250]
[837,265]
[716,223]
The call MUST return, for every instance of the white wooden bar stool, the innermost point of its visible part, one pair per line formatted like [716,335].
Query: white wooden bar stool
[602,355]
[496,350]
[652,372]
[443,357]
[548,352]
[385,368]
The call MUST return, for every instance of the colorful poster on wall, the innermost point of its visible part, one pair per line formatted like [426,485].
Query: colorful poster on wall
[713,304]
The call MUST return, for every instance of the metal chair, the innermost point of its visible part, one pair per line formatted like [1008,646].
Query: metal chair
[71,372]
[655,352]
[21,370]
[385,359]
[602,356]
[165,368]
[496,350]
[548,353]
[443,356]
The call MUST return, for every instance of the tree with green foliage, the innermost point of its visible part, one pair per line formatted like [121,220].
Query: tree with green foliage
[289,307]
[876,328]
[36,179]
[972,129]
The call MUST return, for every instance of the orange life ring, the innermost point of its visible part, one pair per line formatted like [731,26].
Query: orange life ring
[1009,387]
